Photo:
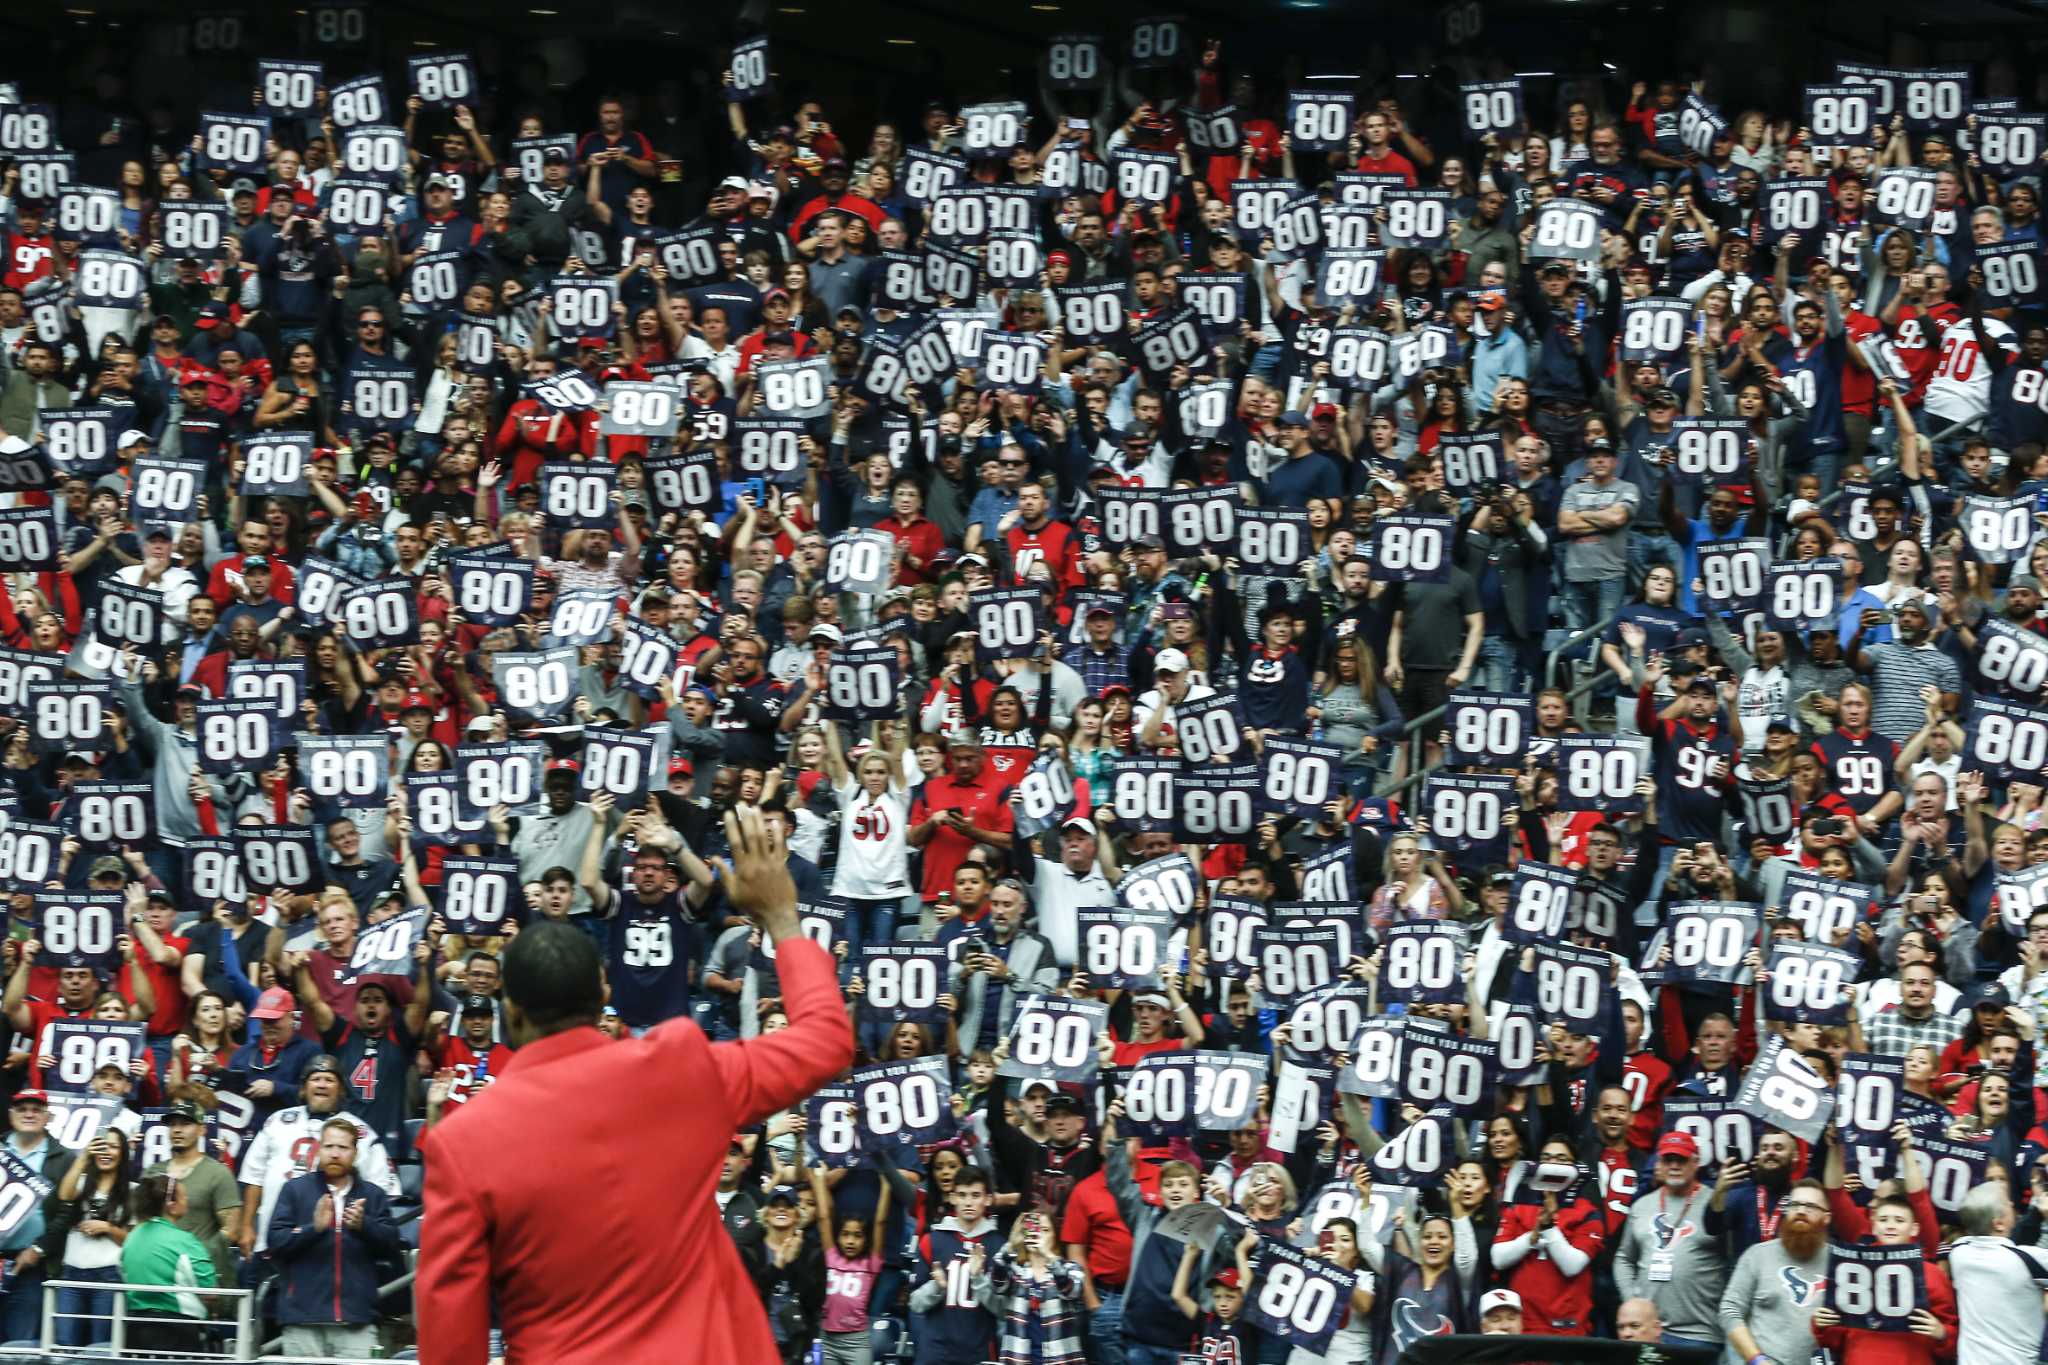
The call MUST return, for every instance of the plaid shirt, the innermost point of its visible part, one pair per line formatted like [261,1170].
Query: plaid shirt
[1040,1317]
[1891,1034]
[1099,671]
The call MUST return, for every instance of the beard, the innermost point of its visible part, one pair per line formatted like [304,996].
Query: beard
[1803,1242]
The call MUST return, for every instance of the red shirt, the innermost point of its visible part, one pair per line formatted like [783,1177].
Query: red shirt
[981,801]
[1859,386]
[921,538]
[1647,1078]
[224,584]
[1916,337]
[1054,544]
[1092,1223]
[1130,1053]
[1554,1303]
[29,259]
[170,991]
[1388,162]
[473,1070]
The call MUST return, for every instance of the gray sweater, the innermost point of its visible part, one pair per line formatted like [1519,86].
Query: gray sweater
[1689,1301]
[1775,1296]
[1032,972]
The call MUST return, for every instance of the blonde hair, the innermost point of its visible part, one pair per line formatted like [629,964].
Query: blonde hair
[1275,1172]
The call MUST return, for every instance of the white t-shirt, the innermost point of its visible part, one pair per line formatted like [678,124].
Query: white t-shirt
[1960,388]
[1153,700]
[873,853]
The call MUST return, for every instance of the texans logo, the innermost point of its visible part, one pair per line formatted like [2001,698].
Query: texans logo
[1668,1234]
[1801,1291]
[1407,1330]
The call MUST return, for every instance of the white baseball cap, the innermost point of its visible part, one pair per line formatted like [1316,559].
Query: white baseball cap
[1170,661]
[1499,1298]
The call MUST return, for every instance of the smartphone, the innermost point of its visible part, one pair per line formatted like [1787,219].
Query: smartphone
[1077,125]
[757,489]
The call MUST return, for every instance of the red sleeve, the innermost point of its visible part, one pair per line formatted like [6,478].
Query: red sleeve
[1588,1231]
[1930,1230]
[772,1072]
[455,1263]
[1850,1223]
[1515,1221]
[1646,716]
[508,433]
[1677,1038]
[1941,1301]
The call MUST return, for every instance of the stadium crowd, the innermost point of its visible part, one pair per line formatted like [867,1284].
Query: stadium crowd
[1411,708]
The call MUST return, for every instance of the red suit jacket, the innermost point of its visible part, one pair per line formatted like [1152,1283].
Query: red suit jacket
[577,1191]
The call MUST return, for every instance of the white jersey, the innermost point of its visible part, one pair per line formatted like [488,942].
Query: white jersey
[1998,1286]
[289,1147]
[874,857]
[1960,388]
[1762,694]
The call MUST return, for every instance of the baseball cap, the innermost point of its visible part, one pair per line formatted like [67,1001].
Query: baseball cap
[774,294]
[256,564]
[1170,661]
[82,756]
[275,1003]
[132,437]
[1677,1144]
[1781,723]
[554,154]
[1323,412]
[211,315]
[1148,543]
[1080,822]
[184,1111]
[1100,609]
[31,1096]
[479,725]
[734,182]
[564,765]
[1227,1277]
[1599,445]
[782,1194]
[1140,430]
[1986,993]
[478,1004]
[1499,1298]
[1493,300]
[1060,1099]
[70,960]
[679,766]
[1692,637]
[1291,419]
[108,865]
[417,701]
[439,182]
[326,1062]
[1663,398]
[825,630]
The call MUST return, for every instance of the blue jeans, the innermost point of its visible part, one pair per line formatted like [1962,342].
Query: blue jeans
[1137,1353]
[1649,547]
[1587,603]
[1105,1329]
[868,922]
[1499,668]
[97,1302]
[21,1308]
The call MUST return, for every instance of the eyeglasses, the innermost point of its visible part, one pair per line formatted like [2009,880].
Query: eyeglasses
[1804,1206]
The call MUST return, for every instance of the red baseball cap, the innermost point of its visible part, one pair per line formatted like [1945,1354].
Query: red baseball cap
[1678,1144]
[275,1003]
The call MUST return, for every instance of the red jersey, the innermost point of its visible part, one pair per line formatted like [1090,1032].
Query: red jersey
[1620,1183]
[1916,337]
[1647,1078]
[1053,544]
[29,259]
[170,993]
[982,801]
[1130,1053]
[473,1070]
[1859,386]
[1388,162]
[1554,1303]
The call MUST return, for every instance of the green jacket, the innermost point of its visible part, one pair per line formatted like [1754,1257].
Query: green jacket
[161,1252]
[18,405]
[181,302]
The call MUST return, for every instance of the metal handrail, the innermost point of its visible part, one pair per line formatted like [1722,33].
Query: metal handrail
[245,1315]
[1576,637]
[1417,772]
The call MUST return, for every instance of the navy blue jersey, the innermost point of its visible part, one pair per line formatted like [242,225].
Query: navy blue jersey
[1694,763]
[959,1329]
[1859,766]
[1816,376]
[649,956]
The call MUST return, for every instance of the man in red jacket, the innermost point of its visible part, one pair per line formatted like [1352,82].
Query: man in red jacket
[642,1271]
